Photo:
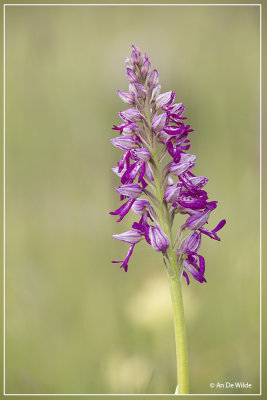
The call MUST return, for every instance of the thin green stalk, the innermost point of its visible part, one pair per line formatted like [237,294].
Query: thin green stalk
[176,291]
[180,334]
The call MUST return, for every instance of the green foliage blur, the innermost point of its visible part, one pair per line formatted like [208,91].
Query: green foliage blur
[75,323]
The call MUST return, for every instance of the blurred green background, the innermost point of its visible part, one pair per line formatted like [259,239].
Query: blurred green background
[75,323]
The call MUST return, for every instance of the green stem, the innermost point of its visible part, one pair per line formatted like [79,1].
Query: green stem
[180,334]
[176,291]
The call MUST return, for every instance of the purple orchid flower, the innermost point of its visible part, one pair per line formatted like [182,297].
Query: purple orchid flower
[154,120]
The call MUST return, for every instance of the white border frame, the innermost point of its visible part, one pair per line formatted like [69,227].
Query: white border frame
[133,5]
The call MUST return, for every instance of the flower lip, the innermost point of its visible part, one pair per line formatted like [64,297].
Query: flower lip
[124,264]
[191,266]
[213,234]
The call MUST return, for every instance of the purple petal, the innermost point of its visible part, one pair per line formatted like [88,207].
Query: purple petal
[123,210]
[186,277]
[213,234]
[196,274]
[188,200]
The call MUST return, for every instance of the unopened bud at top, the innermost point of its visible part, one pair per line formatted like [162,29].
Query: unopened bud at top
[136,55]
[145,69]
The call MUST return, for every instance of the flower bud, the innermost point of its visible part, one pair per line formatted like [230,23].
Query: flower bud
[145,68]
[191,243]
[197,220]
[132,89]
[128,62]
[198,181]
[140,91]
[159,122]
[186,162]
[153,79]
[132,190]
[128,98]
[178,109]
[159,241]
[165,99]
[136,55]
[131,76]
